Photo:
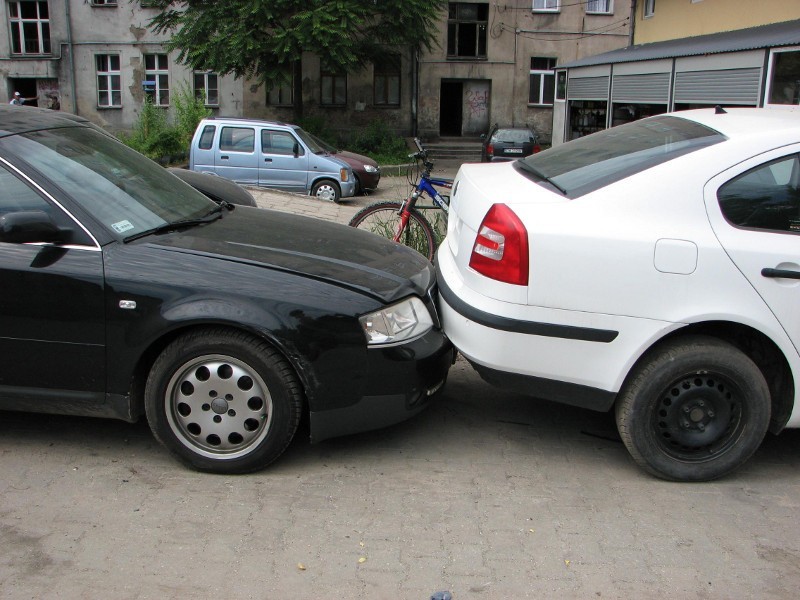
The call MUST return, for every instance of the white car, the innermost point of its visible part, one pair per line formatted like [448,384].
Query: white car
[653,268]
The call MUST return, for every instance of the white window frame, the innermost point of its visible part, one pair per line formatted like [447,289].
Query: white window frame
[609,7]
[546,6]
[543,75]
[768,91]
[207,97]
[648,8]
[104,2]
[159,74]
[106,78]
[18,25]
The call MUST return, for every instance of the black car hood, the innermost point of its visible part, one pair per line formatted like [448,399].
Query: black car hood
[307,246]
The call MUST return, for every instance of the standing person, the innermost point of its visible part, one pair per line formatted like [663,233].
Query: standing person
[19,100]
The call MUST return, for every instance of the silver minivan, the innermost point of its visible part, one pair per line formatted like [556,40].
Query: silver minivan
[269,154]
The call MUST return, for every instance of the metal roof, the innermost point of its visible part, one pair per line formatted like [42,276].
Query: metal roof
[786,33]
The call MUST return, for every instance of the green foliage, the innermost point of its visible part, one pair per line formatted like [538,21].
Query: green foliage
[189,111]
[262,39]
[379,142]
[156,138]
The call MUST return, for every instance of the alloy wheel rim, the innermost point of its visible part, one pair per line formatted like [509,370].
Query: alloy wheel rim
[218,406]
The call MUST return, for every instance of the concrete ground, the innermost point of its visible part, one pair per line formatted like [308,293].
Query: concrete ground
[487,494]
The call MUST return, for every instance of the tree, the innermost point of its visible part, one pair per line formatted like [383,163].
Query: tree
[264,40]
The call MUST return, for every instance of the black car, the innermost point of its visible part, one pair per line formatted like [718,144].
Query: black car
[126,292]
[508,143]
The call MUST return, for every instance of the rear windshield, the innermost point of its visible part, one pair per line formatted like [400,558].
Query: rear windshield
[589,163]
[513,135]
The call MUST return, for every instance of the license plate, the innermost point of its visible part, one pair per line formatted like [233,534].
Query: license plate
[513,150]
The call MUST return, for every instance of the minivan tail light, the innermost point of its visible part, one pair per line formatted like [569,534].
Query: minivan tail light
[501,247]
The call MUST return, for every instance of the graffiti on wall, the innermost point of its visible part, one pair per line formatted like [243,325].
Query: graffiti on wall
[478,102]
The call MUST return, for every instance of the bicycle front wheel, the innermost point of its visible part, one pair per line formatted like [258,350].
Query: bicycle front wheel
[384,219]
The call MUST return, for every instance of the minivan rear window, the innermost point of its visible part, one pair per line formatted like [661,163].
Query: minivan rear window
[589,163]
[207,137]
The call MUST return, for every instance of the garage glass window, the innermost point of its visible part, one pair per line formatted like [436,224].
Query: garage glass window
[784,77]
[589,163]
[767,197]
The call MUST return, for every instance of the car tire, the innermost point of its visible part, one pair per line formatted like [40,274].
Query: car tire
[223,401]
[327,190]
[694,409]
[358,191]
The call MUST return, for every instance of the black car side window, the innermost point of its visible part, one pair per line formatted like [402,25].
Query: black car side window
[766,197]
[15,195]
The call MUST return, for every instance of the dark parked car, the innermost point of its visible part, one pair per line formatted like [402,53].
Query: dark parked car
[219,189]
[508,143]
[126,292]
[365,169]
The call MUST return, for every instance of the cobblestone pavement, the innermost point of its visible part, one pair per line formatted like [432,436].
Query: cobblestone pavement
[487,494]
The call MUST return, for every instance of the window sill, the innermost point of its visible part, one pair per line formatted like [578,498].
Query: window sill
[110,107]
[531,105]
[542,11]
[600,14]
[467,58]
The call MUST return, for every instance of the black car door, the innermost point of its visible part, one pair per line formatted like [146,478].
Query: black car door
[52,326]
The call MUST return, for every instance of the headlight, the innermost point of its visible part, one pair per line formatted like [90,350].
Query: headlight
[370,169]
[397,323]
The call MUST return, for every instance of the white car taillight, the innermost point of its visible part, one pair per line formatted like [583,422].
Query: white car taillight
[501,247]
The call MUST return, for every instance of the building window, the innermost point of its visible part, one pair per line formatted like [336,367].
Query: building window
[104,2]
[600,7]
[206,87]
[30,27]
[546,5]
[466,30]
[281,94]
[386,84]
[542,81]
[649,8]
[784,77]
[109,80]
[156,75]
[333,88]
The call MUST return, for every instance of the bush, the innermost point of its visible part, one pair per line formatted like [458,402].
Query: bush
[159,140]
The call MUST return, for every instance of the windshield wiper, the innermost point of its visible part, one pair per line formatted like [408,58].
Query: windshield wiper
[215,214]
[534,171]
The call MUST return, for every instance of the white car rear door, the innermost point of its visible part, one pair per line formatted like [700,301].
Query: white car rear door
[754,209]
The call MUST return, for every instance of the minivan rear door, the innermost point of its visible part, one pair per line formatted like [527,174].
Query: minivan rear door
[283,161]
[235,154]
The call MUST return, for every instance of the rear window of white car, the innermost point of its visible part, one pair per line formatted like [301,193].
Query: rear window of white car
[595,161]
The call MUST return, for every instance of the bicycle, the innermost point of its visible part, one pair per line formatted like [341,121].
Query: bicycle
[402,221]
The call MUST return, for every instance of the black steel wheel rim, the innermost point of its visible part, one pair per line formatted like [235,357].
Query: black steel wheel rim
[698,417]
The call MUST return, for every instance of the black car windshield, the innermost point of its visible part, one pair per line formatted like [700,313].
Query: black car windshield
[589,163]
[122,189]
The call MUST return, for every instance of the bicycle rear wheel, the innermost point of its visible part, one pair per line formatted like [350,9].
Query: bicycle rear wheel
[383,218]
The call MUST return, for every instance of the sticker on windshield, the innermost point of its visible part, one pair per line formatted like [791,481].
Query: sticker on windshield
[122,226]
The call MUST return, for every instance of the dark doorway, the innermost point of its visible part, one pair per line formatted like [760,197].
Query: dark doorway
[451,107]
[26,89]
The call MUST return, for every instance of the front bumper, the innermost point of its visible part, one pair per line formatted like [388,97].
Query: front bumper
[400,383]
[369,181]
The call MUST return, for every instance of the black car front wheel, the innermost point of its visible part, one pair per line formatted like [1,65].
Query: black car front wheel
[694,410]
[223,401]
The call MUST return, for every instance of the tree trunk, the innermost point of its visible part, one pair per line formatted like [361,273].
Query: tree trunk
[297,90]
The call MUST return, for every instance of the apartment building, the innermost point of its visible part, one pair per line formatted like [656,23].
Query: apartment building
[495,62]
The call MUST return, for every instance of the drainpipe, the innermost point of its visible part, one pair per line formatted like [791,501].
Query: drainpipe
[71,57]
